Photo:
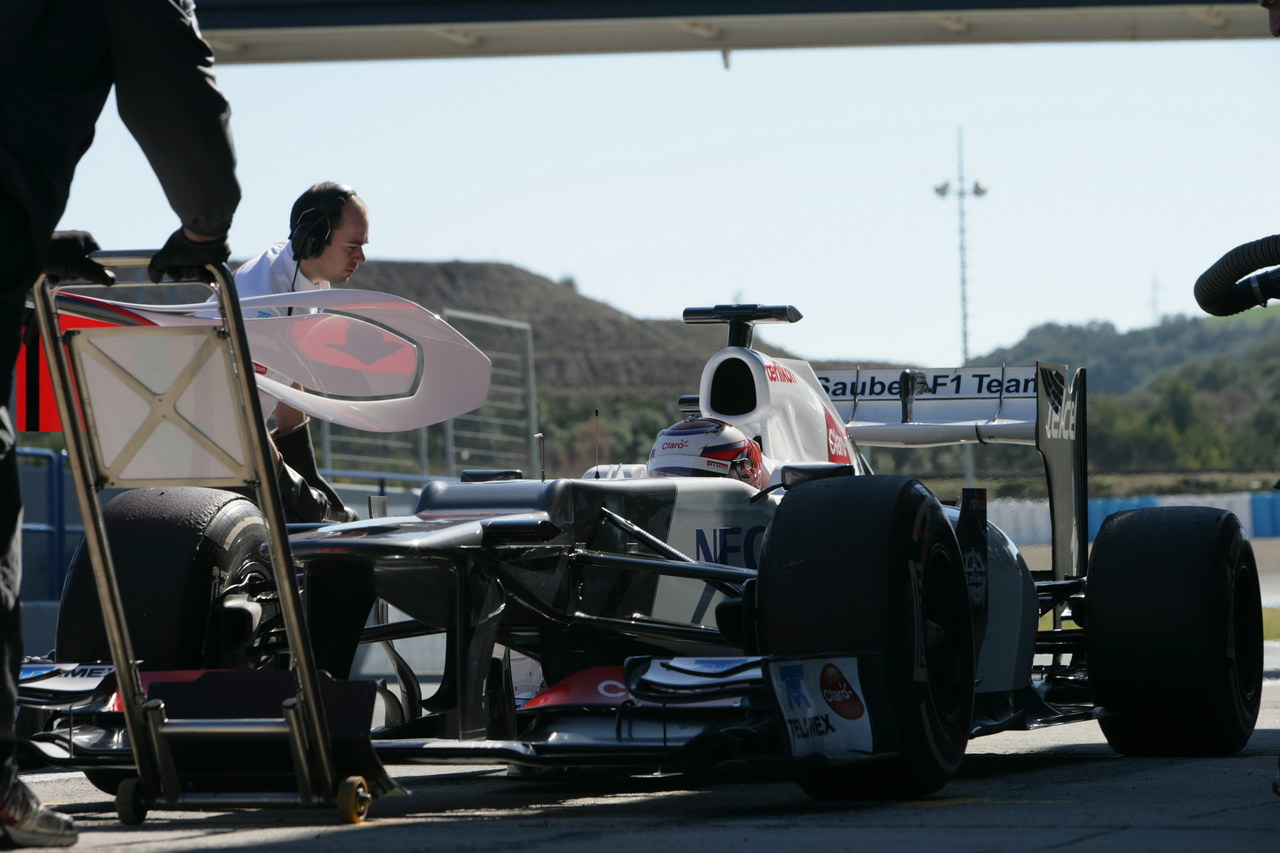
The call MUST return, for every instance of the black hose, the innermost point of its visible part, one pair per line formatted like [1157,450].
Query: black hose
[1220,291]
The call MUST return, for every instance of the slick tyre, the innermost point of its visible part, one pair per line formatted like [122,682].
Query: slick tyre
[1174,621]
[871,564]
[173,549]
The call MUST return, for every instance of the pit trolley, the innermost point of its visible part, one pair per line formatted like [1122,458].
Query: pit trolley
[157,406]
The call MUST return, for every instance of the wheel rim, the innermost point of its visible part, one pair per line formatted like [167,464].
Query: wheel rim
[1246,632]
[362,801]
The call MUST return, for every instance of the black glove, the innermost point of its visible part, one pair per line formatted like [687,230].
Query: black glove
[69,258]
[184,259]
[303,504]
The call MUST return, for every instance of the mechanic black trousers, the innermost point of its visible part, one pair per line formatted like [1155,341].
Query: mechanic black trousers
[16,276]
[339,596]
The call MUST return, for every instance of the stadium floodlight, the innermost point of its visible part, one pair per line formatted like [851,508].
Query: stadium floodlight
[977,191]
[963,191]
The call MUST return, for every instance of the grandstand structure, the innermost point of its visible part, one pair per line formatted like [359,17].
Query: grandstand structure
[253,31]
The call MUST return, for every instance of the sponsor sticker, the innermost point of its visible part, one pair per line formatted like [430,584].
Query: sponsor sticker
[65,677]
[821,706]
[839,694]
[736,546]
[1061,422]
[837,442]
[775,372]
[935,383]
[601,685]
[36,671]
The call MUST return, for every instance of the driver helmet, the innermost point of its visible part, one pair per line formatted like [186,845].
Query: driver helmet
[706,447]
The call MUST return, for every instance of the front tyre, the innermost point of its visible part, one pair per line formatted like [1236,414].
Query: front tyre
[871,564]
[1174,632]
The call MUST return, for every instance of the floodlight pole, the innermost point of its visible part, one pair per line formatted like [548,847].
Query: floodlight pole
[963,191]
[961,195]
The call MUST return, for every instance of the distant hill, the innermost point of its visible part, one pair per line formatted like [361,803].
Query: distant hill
[586,347]
[607,381]
[582,347]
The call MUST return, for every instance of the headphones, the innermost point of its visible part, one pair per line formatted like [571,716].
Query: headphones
[313,224]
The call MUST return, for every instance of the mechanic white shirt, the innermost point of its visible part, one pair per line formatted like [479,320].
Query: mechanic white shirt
[273,271]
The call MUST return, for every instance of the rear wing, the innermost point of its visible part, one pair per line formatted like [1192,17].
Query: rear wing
[1042,406]
[925,408]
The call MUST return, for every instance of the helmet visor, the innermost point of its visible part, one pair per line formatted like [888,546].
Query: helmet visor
[683,471]
[681,465]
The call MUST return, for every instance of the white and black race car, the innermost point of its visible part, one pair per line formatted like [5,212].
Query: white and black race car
[841,628]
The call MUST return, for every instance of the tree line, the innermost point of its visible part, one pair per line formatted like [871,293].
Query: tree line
[1188,395]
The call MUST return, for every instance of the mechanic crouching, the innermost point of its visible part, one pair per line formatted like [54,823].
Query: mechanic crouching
[328,229]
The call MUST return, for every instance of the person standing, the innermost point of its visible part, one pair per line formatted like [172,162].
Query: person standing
[58,61]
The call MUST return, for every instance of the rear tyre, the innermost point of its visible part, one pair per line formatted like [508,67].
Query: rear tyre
[173,550]
[1174,632]
[871,564]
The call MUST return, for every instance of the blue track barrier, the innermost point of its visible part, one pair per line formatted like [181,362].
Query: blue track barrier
[54,523]
[1100,508]
[1266,513]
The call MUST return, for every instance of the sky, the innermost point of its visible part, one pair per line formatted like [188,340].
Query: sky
[1116,173]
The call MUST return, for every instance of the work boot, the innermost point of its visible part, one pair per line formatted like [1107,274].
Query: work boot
[27,823]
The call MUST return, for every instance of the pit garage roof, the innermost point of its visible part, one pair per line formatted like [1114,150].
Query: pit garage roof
[324,30]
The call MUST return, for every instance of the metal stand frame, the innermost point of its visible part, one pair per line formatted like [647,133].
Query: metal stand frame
[303,718]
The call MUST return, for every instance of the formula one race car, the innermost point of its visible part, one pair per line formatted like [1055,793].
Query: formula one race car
[844,629]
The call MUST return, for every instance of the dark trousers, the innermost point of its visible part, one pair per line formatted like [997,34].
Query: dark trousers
[16,276]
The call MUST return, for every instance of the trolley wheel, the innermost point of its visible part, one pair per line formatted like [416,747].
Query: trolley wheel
[353,799]
[130,805]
